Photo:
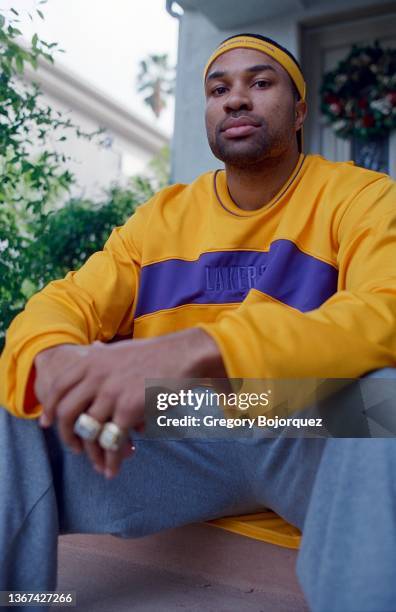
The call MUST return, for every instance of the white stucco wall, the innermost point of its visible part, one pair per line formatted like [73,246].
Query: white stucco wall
[125,148]
[96,164]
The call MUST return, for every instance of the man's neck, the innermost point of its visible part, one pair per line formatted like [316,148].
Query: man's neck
[253,187]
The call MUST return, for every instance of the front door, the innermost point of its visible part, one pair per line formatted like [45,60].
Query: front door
[323,46]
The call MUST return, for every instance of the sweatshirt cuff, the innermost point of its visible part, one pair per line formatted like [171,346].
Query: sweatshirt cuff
[25,404]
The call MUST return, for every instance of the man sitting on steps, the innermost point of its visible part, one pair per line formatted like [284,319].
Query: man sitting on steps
[280,266]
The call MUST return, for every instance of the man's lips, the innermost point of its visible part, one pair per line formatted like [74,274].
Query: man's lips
[240,130]
[238,127]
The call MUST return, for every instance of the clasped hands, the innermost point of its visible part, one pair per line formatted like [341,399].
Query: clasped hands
[107,381]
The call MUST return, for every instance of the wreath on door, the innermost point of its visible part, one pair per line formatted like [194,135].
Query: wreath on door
[358,98]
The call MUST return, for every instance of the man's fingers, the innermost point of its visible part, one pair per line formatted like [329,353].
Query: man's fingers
[126,416]
[101,409]
[69,409]
[108,460]
[113,459]
[96,455]
[57,389]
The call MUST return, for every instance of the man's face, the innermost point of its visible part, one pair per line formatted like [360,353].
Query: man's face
[251,112]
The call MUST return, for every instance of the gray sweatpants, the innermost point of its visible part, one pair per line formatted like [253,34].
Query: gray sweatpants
[341,492]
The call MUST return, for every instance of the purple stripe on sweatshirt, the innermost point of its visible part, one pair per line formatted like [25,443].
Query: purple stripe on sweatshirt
[224,277]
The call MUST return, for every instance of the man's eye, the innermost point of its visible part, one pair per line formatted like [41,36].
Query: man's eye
[261,84]
[218,91]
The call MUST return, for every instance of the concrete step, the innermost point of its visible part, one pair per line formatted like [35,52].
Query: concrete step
[197,567]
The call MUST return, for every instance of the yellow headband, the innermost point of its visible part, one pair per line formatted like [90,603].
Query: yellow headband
[250,42]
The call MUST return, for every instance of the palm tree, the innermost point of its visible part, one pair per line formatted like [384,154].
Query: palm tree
[156,78]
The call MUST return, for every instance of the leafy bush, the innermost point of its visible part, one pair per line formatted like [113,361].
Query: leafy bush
[39,241]
[30,181]
[59,242]
[78,229]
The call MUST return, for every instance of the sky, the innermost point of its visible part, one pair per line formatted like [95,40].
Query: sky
[104,41]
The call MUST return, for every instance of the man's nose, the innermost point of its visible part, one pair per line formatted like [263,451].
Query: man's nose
[238,99]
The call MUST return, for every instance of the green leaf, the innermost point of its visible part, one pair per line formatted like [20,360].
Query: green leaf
[48,57]
[19,64]
[28,288]
[40,13]
[34,40]
[2,21]
[15,12]
[14,31]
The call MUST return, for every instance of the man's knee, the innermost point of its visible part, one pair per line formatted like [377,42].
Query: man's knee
[361,459]
[382,373]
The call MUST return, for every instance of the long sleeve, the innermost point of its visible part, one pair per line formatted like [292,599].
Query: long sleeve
[94,303]
[351,333]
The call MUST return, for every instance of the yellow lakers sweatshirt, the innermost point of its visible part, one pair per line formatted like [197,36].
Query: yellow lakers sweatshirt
[303,287]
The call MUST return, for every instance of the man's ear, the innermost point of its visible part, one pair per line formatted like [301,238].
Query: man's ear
[300,113]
